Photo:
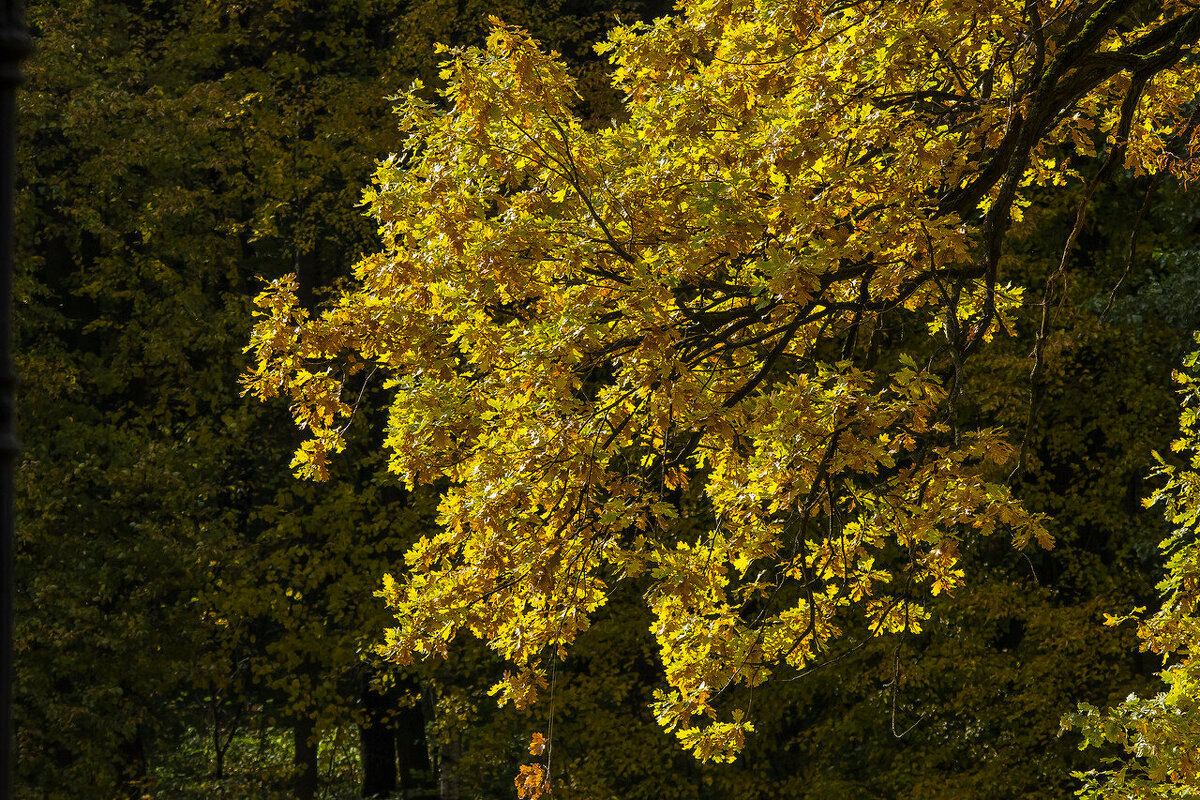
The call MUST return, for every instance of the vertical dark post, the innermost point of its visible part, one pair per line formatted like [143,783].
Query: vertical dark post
[14,47]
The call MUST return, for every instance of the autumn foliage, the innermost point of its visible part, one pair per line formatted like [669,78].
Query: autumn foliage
[652,350]
[1158,736]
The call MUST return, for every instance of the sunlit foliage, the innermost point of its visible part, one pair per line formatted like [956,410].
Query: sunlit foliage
[589,333]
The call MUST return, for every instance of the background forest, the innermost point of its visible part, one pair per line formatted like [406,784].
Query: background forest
[192,621]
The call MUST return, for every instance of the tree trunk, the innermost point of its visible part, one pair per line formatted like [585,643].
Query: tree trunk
[378,742]
[305,759]
[447,776]
[218,751]
[448,752]
[412,748]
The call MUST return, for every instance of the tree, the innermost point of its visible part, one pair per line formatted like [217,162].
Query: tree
[1156,738]
[971,706]
[598,337]
[171,152]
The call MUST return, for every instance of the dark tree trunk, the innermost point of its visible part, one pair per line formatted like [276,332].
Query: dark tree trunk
[14,47]
[412,748]
[447,755]
[218,751]
[305,759]
[447,773]
[378,761]
[378,742]
[221,745]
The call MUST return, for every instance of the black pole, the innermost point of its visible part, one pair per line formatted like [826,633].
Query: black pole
[14,47]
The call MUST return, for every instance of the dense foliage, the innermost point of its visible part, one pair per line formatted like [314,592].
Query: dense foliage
[172,575]
[647,348]
[716,368]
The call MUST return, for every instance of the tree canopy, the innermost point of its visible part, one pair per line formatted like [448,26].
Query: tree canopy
[657,349]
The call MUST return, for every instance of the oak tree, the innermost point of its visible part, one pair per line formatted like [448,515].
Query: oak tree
[596,337]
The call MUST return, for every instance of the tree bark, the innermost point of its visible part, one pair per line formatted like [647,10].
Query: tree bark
[378,741]
[305,759]
[447,777]
[448,752]
[412,748]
